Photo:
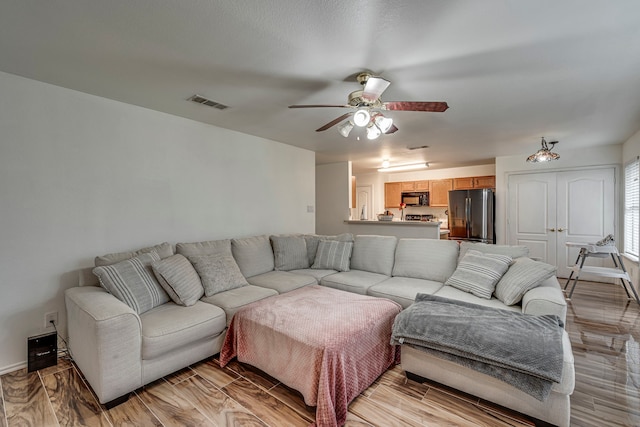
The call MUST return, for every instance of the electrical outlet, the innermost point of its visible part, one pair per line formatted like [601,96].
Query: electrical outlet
[51,316]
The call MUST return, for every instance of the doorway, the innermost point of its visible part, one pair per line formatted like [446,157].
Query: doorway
[548,209]
[364,198]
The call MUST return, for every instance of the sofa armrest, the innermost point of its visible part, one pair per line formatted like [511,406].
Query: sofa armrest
[546,299]
[105,341]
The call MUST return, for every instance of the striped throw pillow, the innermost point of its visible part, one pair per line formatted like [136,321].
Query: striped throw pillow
[333,255]
[132,282]
[177,276]
[478,273]
[524,275]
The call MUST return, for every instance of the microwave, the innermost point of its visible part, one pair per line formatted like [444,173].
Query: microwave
[420,198]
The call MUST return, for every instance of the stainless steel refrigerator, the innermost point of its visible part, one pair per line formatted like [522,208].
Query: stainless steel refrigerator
[471,215]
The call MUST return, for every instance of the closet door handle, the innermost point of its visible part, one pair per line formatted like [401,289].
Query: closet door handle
[552,229]
[560,230]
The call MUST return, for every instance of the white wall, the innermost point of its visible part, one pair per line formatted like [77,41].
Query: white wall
[333,197]
[595,156]
[82,176]
[377,180]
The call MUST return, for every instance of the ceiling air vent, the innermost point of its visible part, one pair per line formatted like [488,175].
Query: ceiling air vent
[204,101]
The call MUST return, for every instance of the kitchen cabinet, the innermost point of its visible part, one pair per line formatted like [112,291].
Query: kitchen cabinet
[439,192]
[421,185]
[471,182]
[392,194]
[407,186]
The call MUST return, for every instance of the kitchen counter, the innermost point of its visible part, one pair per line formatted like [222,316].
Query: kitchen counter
[400,229]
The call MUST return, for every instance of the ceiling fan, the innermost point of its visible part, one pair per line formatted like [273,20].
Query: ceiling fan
[367,105]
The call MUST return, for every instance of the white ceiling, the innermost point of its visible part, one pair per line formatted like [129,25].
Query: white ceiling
[511,71]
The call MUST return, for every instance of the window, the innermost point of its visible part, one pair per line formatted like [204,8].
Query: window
[632,208]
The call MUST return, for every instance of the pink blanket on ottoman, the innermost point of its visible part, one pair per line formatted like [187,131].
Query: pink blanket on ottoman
[328,344]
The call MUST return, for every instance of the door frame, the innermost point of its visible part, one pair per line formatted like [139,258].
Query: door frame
[367,188]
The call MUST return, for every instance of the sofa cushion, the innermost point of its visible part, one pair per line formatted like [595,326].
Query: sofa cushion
[456,294]
[374,254]
[512,251]
[132,282]
[282,281]
[163,250]
[179,279]
[233,300]
[313,240]
[479,273]
[429,259]
[403,290]
[523,275]
[356,281]
[253,255]
[315,273]
[218,273]
[333,255]
[209,247]
[171,326]
[290,252]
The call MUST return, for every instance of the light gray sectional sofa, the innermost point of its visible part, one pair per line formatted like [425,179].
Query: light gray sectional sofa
[121,346]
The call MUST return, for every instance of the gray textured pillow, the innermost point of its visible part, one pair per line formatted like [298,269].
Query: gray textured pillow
[333,255]
[524,274]
[179,279]
[218,273]
[290,252]
[163,250]
[133,282]
[478,273]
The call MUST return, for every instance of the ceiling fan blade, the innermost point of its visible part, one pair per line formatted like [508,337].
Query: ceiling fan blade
[391,130]
[320,106]
[374,88]
[436,107]
[333,122]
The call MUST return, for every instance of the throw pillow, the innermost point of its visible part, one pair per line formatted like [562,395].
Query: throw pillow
[511,250]
[333,255]
[179,279]
[218,273]
[524,275]
[162,249]
[132,282]
[479,273]
[290,252]
[313,240]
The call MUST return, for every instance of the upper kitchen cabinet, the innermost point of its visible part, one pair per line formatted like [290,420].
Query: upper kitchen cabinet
[392,194]
[439,192]
[471,182]
[421,185]
[408,186]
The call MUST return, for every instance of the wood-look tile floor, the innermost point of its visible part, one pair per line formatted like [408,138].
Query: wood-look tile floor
[602,324]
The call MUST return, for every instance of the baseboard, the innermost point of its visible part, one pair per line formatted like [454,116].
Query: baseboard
[14,367]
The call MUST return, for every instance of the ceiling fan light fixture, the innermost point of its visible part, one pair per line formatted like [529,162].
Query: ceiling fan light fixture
[544,154]
[399,168]
[345,128]
[373,132]
[383,123]
[361,117]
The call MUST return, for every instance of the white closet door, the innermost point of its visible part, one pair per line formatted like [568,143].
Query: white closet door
[585,213]
[546,210]
[531,214]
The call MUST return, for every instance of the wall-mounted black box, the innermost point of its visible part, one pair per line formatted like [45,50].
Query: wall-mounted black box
[42,351]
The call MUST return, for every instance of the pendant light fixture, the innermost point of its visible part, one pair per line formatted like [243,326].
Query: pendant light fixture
[544,154]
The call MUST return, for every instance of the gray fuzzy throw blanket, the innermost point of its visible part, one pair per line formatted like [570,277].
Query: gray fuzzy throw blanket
[520,349]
